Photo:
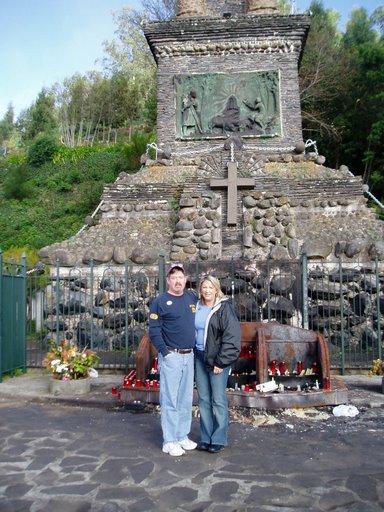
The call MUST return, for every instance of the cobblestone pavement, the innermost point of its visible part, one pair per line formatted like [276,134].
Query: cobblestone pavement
[97,457]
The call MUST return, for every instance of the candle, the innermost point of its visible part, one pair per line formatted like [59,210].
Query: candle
[273,367]
[282,367]
[299,367]
[114,391]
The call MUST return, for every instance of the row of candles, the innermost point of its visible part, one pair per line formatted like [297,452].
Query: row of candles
[131,380]
[280,368]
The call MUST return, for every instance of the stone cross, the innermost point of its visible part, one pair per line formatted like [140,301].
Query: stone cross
[232,183]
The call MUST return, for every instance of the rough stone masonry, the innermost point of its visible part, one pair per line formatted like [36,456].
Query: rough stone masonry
[228,110]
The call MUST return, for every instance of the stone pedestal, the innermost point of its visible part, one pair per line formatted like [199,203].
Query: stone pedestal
[191,8]
[69,388]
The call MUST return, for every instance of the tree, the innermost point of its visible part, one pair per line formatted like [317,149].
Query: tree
[7,125]
[128,60]
[81,104]
[377,19]
[160,10]
[39,118]
[324,75]
[359,29]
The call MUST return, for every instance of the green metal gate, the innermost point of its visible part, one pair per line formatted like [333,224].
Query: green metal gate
[12,316]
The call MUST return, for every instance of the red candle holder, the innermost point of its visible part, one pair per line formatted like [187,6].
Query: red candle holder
[246,387]
[282,367]
[139,384]
[299,367]
[155,384]
[114,391]
[273,366]
[147,383]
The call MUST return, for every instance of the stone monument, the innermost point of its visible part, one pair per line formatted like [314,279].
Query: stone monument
[230,175]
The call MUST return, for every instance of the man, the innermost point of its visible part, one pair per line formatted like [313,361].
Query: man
[172,332]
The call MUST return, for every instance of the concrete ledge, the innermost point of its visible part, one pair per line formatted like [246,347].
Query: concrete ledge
[69,388]
[337,395]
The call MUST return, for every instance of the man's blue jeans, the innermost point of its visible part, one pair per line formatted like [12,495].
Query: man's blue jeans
[176,395]
[213,403]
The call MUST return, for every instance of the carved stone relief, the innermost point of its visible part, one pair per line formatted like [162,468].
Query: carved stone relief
[219,104]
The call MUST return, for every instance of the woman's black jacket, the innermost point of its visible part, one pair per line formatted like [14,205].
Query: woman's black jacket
[222,336]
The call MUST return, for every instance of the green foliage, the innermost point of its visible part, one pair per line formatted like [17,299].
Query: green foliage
[60,195]
[17,254]
[16,185]
[6,125]
[42,150]
[39,118]
[137,148]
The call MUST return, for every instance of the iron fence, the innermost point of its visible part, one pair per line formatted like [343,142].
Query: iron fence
[12,316]
[107,308]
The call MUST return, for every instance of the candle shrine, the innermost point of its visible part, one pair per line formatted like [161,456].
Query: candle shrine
[280,366]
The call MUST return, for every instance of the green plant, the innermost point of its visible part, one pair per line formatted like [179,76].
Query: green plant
[42,150]
[377,367]
[66,362]
[16,185]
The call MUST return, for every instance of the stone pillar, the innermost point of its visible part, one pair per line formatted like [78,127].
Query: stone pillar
[262,6]
[191,8]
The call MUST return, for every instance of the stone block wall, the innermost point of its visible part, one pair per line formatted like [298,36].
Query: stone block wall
[248,43]
[289,95]
[219,7]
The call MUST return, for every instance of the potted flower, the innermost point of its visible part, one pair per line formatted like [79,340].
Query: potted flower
[378,369]
[67,364]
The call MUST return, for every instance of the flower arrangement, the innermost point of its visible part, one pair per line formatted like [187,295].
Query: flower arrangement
[66,362]
[377,368]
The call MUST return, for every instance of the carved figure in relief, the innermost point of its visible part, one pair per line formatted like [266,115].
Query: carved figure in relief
[190,114]
[229,120]
[257,116]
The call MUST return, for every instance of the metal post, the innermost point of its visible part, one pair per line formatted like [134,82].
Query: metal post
[342,318]
[24,303]
[304,289]
[126,317]
[378,308]
[13,302]
[1,315]
[268,292]
[57,300]
[91,299]
[162,284]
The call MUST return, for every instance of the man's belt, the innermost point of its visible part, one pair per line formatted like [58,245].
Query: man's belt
[180,350]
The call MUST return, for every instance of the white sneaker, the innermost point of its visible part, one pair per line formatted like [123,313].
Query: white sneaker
[173,449]
[187,444]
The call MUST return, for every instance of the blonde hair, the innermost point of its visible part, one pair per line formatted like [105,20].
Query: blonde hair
[215,283]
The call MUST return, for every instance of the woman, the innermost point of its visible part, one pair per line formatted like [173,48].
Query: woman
[218,339]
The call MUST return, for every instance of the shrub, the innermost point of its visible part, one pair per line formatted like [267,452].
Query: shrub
[16,184]
[42,150]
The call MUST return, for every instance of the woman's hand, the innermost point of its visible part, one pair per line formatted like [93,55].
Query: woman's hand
[216,369]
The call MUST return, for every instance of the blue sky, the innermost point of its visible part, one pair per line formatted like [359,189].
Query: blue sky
[45,41]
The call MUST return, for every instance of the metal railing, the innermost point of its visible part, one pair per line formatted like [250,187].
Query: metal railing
[107,308]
